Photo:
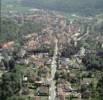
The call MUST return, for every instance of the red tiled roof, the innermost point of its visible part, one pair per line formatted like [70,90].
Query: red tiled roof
[8,45]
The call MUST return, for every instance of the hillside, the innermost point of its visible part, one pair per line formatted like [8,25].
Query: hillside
[85,7]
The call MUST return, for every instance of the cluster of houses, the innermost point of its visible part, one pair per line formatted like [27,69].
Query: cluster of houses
[36,53]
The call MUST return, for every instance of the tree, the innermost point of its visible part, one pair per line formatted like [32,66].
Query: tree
[92,61]
[9,64]
[10,84]
[100,88]
[8,29]
[69,50]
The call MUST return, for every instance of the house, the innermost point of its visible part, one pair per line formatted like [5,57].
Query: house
[100,54]
[61,97]
[29,36]
[37,98]
[86,81]
[39,82]
[25,78]
[21,53]
[31,45]
[43,91]
[8,45]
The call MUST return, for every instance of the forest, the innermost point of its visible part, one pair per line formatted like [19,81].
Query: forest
[83,7]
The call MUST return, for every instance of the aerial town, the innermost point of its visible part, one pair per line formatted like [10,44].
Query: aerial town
[50,64]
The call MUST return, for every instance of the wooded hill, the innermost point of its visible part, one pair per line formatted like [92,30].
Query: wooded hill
[83,7]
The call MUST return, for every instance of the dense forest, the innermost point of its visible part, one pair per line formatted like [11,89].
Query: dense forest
[84,7]
[11,30]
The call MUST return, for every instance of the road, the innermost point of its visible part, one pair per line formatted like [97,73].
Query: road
[52,89]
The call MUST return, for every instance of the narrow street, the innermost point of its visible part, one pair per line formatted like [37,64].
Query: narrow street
[52,90]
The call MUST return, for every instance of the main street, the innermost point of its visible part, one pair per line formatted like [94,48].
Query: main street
[52,90]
